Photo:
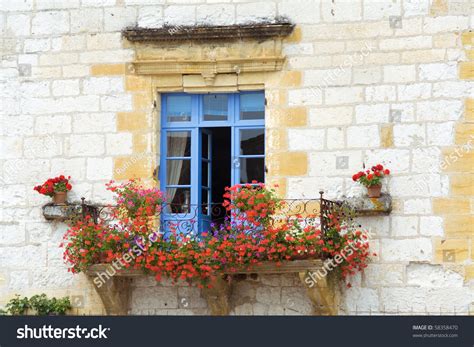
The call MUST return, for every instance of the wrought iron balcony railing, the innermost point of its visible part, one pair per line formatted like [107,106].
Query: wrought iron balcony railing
[186,217]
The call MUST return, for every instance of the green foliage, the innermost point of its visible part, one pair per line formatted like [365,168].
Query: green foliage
[17,306]
[60,306]
[40,303]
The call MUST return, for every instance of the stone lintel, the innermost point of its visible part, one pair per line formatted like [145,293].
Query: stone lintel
[207,68]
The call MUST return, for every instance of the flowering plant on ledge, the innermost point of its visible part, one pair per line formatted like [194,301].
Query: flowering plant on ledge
[56,187]
[243,240]
[372,179]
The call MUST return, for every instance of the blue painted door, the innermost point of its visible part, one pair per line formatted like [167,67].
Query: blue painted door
[248,148]
[186,162]
[205,180]
[177,179]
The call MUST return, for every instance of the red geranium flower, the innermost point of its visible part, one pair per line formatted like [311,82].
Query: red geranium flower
[52,185]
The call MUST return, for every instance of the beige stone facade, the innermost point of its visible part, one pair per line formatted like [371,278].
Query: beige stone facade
[357,82]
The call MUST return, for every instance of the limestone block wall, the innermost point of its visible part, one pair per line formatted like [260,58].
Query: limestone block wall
[263,295]
[365,81]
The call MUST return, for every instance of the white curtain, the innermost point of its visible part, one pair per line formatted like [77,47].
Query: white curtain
[177,142]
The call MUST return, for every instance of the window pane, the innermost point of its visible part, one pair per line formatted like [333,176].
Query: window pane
[252,169]
[178,172]
[179,144]
[252,141]
[205,201]
[215,107]
[205,173]
[205,146]
[252,106]
[178,108]
[179,200]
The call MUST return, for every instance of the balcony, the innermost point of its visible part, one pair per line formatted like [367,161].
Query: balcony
[113,285]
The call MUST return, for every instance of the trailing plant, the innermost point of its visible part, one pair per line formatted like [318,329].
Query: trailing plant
[372,177]
[89,243]
[247,237]
[252,201]
[53,185]
[134,200]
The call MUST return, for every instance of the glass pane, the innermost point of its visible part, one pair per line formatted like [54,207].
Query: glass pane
[179,144]
[252,141]
[178,108]
[252,106]
[178,172]
[179,200]
[205,146]
[205,173]
[252,169]
[215,107]
[205,201]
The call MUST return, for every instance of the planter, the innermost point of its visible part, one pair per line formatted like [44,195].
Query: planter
[59,198]
[103,258]
[304,256]
[374,191]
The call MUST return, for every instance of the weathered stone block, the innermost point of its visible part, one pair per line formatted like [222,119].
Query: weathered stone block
[306,139]
[378,275]
[451,250]
[451,206]
[426,275]
[363,136]
[103,122]
[418,249]
[107,69]
[288,164]
[119,143]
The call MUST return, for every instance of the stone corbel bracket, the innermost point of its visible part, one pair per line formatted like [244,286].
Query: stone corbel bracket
[114,287]
[320,289]
[61,212]
[365,206]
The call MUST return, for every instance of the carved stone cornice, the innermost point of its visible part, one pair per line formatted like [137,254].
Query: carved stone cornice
[258,31]
[208,59]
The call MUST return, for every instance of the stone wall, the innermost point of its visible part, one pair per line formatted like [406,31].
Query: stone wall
[364,81]
[262,295]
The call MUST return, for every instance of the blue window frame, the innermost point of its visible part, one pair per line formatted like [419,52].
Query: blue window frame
[186,161]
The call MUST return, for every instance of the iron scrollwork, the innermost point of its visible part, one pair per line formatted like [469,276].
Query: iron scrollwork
[314,212]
